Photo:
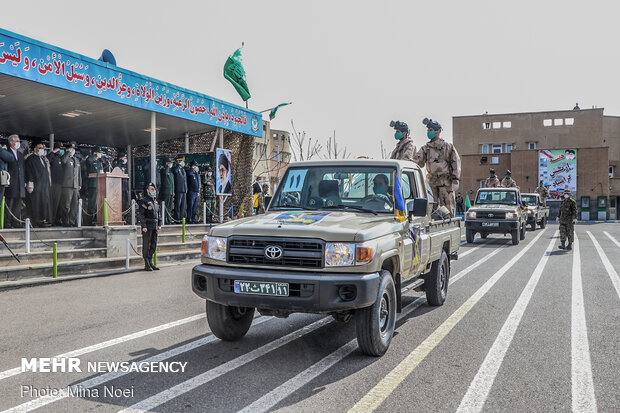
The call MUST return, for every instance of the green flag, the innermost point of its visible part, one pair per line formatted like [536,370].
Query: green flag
[467,202]
[234,72]
[272,114]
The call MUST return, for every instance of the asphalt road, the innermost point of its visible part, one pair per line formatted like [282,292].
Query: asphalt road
[525,328]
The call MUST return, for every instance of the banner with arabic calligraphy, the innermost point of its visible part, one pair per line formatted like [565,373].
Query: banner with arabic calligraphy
[558,169]
[33,60]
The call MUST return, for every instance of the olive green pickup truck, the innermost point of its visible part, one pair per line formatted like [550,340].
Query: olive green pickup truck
[340,237]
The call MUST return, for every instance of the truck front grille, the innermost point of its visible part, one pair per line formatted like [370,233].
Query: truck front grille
[296,252]
[491,215]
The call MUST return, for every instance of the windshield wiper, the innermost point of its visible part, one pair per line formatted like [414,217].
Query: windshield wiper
[357,207]
[294,206]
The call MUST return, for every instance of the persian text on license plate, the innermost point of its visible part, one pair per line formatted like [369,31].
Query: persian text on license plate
[490,224]
[261,288]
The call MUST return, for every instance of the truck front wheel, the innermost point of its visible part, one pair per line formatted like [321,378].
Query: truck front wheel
[374,325]
[436,282]
[469,235]
[515,236]
[522,232]
[533,226]
[229,323]
[543,222]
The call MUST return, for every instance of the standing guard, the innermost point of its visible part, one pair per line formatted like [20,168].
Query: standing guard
[566,218]
[150,221]
[166,193]
[208,192]
[56,171]
[508,182]
[71,185]
[180,189]
[543,192]
[193,192]
[94,165]
[405,149]
[492,181]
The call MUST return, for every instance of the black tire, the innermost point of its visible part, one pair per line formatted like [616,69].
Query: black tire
[436,281]
[484,235]
[522,232]
[469,235]
[515,236]
[229,323]
[543,223]
[375,325]
[533,226]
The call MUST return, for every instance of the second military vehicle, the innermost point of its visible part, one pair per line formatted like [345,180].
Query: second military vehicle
[537,214]
[340,238]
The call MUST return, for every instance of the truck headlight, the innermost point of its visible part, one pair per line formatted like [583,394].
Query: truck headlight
[512,215]
[339,254]
[214,247]
[530,212]
[471,214]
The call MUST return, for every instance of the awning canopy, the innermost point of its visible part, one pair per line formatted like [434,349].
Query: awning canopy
[45,89]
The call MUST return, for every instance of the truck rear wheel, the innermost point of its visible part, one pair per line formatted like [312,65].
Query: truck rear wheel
[515,236]
[229,323]
[374,325]
[522,232]
[543,222]
[436,282]
[533,226]
[469,235]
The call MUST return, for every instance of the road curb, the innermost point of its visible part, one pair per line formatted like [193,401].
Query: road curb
[34,282]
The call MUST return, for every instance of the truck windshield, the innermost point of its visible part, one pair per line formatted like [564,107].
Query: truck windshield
[529,200]
[353,187]
[497,197]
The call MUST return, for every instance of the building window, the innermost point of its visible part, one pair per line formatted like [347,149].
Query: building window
[611,171]
[547,122]
[508,147]
[485,148]
[494,160]
[486,125]
[558,122]
[497,125]
[569,121]
[497,148]
[507,125]
[531,145]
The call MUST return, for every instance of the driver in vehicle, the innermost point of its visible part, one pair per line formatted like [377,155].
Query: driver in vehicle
[328,190]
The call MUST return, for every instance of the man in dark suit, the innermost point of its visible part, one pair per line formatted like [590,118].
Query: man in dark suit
[166,194]
[37,174]
[5,158]
[193,192]
[180,189]
[55,159]
[16,192]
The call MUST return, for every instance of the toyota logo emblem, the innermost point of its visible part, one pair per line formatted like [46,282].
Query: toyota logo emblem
[491,215]
[273,252]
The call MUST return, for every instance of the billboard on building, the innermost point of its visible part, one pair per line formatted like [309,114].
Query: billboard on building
[558,169]
[223,179]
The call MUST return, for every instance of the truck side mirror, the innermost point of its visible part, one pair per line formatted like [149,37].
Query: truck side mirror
[417,207]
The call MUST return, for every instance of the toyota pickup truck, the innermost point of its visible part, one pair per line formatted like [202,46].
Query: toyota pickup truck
[536,212]
[339,237]
[496,211]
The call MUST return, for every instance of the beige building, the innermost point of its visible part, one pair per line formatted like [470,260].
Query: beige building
[272,154]
[513,141]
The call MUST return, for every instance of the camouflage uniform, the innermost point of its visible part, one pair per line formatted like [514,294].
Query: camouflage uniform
[492,183]
[208,193]
[544,194]
[405,150]
[568,212]
[443,167]
[509,183]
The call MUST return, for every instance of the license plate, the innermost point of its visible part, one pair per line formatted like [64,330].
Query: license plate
[261,288]
[490,224]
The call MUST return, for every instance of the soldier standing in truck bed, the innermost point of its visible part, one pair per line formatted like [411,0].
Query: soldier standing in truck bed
[492,181]
[508,182]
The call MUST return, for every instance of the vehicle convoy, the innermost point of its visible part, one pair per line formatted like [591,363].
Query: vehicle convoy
[340,238]
[496,211]
[536,212]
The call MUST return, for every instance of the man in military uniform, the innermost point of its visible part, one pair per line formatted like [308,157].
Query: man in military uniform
[405,149]
[180,189]
[166,193]
[56,172]
[492,181]
[543,192]
[443,166]
[460,204]
[261,199]
[193,192]
[71,185]
[94,165]
[566,217]
[208,192]
[150,221]
[508,182]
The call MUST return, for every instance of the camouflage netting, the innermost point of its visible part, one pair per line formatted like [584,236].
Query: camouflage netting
[242,149]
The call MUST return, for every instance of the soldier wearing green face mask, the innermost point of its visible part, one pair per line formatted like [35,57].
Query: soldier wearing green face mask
[492,181]
[508,182]
[405,149]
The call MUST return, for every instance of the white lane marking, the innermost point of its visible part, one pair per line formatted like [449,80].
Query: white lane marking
[188,385]
[377,395]
[583,396]
[84,350]
[615,241]
[479,389]
[104,378]
[466,253]
[615,279]
[289,387]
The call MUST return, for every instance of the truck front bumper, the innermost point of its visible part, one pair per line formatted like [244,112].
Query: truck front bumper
[309,292]
[502,227]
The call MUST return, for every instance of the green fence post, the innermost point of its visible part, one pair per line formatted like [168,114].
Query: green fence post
[155,258]
[2,214]
[105,212]
[55,253]
[183,230]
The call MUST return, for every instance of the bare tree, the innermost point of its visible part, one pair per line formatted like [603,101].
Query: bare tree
[332,149]
[302,151]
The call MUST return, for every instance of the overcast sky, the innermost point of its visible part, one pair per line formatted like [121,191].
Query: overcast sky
[352,66]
